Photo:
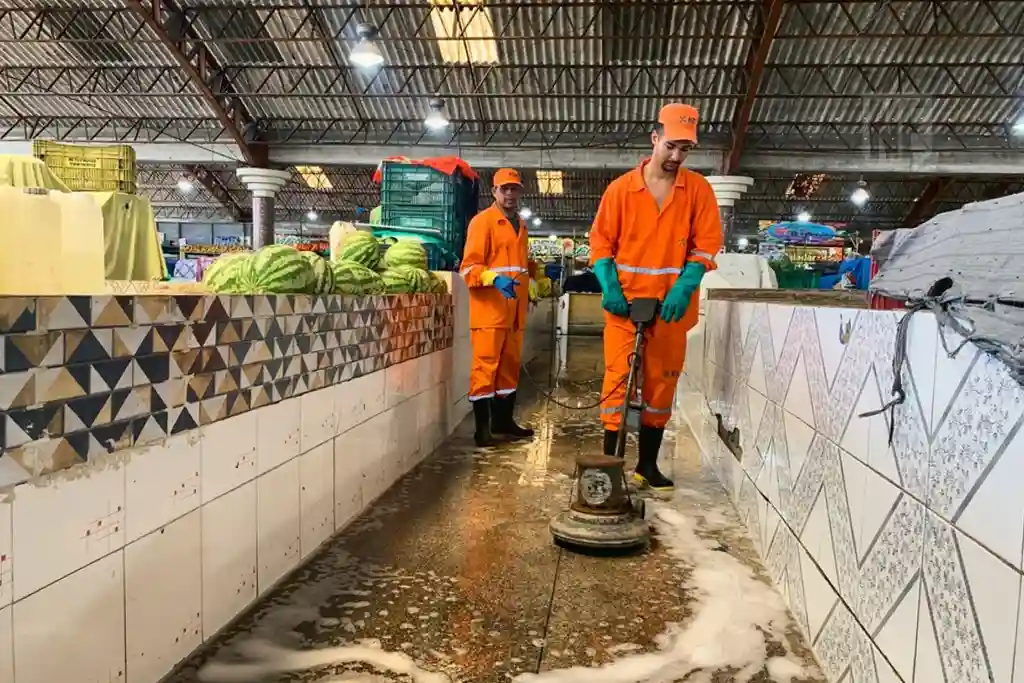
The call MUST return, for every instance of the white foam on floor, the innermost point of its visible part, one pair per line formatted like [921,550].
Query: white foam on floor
[732,613]
[267,659]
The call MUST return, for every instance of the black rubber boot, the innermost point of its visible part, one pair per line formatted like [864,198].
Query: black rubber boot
[482,416]
[611,440]
[647,473]
[504,423]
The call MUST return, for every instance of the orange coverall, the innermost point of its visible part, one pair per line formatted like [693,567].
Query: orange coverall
[650,248]
[496,324]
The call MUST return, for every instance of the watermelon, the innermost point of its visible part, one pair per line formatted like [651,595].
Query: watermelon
[323,282]
[355,278]
[436,284]
[418,279]
[406,252]
[277,269]
[359,247]
[398,281]
[222,276]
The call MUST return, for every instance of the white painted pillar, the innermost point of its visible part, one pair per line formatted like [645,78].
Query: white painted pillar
[264,184]
[728,188]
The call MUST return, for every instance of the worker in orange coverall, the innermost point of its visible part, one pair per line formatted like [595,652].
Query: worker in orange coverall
[495,268]
[656,233]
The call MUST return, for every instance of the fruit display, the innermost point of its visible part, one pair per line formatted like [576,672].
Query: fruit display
[277,269]
[355,278]
[283,269]
[358,247]
[323,280]
[223,276]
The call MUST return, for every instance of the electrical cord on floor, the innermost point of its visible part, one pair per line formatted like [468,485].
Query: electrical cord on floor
[550,397]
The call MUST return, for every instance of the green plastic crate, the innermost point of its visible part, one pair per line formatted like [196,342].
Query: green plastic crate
[417,185]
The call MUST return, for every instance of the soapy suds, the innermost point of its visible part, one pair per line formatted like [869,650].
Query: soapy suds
[266,659]
[734,613]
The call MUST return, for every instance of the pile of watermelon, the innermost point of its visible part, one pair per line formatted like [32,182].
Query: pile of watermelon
[357,268]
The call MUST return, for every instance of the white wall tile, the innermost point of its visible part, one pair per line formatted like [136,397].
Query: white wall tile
[163,598]
[316,479]
[278,433]
[65,521]
[73,630]
[317,417]
[363,449]
[358,400]
[229,556]
[228,454]
[278,523]
[6,551]
[352,453]
[6,645]
[162,483]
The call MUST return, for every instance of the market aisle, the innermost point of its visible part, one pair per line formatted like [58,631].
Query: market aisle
[452,577]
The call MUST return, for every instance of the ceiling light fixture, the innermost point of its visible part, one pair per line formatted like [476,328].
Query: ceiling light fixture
[366,53]
[525,213]
[1018,127]
[436,119]
[803,217]
[185,185]
[536,221]
[552,236]
[860,195]
[312,215]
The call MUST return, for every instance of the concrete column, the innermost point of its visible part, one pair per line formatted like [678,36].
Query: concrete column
[728,189]
[264,183]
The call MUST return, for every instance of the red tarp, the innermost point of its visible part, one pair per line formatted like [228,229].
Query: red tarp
[446,165]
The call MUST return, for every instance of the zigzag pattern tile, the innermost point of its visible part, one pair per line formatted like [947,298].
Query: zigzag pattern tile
[936,547]
[80,376]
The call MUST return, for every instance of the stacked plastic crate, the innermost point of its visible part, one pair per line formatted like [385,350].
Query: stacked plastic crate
[422,198]
[85,168]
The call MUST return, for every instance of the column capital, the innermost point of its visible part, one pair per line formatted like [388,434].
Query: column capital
[729,188]
[263,182]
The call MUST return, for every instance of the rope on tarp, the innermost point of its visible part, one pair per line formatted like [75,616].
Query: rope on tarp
[949,313]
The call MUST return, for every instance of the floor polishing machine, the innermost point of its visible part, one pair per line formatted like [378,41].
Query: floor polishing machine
[606,512]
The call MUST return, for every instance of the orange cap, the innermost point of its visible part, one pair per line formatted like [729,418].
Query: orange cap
[507,176]
[679,122]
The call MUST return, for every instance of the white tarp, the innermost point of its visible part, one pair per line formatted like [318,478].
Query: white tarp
[980,249]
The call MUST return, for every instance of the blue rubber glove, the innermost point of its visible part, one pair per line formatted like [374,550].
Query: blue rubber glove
[506,285]
[612,298]
[673,308]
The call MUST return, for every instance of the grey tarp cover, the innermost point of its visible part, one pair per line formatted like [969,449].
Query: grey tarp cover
[980,247]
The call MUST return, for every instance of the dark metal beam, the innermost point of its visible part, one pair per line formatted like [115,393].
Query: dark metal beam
[199,65]
[923,206]
[215,186]
[756,59]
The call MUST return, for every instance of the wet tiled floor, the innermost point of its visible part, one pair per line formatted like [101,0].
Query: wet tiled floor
[452,577]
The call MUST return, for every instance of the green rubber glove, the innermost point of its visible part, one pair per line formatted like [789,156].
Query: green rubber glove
[673,308]
[612,298]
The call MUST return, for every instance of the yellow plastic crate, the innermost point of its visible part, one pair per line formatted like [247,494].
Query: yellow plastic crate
[86,168]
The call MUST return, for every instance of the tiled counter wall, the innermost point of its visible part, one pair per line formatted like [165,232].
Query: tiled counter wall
[900,563]
[194,450]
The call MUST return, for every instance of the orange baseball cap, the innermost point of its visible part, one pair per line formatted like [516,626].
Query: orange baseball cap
[679,121]
[507,176]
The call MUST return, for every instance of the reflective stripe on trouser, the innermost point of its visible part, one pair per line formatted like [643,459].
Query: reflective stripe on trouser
[664,353]
[497,354]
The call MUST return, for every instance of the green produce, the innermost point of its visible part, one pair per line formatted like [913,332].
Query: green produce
[223,276]
[398,281]
[406,252]
[359,247]
[323,280]
[355,278]
[418,279]
[277,269]
[437,285]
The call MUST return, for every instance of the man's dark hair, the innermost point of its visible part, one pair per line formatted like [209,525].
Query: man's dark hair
[864,248]
[659,129]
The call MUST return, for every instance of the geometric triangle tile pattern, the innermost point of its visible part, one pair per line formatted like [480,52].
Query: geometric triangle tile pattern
[86,375]
[902,560]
